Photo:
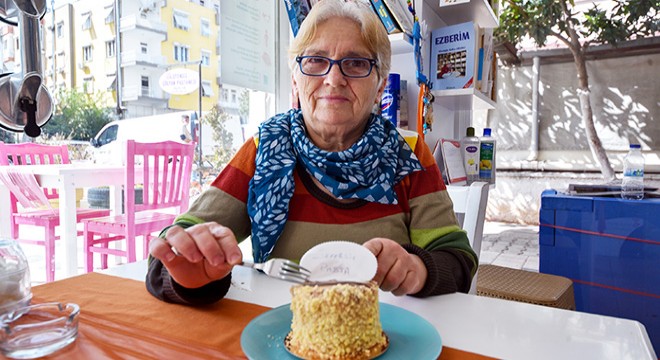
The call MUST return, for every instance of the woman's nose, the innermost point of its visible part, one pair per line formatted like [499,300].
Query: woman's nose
[335,77]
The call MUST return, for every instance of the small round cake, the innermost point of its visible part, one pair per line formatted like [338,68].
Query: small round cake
[336,321]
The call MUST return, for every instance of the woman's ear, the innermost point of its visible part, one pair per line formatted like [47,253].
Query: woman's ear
[381,89]
[295,99]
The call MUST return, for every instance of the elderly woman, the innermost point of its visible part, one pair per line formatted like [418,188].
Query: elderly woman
[332,170]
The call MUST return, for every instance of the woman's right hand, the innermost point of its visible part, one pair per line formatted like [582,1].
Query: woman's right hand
[206,252]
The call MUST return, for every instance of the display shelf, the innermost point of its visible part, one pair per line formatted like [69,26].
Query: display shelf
[478,11]
[463,99]
[401,43]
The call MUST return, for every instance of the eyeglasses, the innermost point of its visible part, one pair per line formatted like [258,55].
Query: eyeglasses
[352,67]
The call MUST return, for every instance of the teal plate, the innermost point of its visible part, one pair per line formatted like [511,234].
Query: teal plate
[411,336]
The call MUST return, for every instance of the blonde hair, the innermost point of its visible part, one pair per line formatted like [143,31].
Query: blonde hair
[373,32]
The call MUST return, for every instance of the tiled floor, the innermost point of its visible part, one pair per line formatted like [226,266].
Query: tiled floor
[509,245]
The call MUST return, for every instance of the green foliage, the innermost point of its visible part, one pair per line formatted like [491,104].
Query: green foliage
[223,150]
[77,116]
[244,103]
[539,19]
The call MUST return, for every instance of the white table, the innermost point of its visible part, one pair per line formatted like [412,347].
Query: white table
[488,326]
[67,178]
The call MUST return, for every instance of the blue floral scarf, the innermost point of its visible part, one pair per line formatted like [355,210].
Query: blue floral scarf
[368,170]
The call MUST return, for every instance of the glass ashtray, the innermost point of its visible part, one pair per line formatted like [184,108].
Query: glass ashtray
[38,330]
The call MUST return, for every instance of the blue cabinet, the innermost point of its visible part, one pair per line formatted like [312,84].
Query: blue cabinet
[610,248]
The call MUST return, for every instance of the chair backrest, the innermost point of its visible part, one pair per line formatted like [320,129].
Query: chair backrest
[470,208]
[163,169]
[24,188]
[33,154]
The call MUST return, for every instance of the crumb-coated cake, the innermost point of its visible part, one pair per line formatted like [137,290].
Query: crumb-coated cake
[336,321]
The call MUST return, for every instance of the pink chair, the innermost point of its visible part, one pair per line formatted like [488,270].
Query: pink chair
[37,213]
[163,170]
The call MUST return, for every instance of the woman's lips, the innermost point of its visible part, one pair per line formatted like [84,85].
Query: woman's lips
[333,98]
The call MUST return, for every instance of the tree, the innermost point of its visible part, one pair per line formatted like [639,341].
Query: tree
[244,104]
[540,19]
[78,115]
[223,151]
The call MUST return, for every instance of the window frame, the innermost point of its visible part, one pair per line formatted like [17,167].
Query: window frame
[205,24]
[205,57]
[88,53]
[110,49]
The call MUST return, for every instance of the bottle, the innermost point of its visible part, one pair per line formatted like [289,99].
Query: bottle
[470,152]
[632,186]
[487,158]
[389,104]
[15,290]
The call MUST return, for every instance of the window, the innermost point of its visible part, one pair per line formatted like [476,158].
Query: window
[206,58]
[60,29]
[205,27]
[207,90]
[181,21]
[112,81]
[110,48]
[110,14]
[108,135]
[88,84]
[225,95]
[181,53]
[87,53]
[144,48]
[233,96]
[144,82]
[87,21]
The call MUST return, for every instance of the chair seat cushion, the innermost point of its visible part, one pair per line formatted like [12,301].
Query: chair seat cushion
[525,286]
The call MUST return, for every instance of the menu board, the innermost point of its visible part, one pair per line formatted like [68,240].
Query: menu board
[247,46]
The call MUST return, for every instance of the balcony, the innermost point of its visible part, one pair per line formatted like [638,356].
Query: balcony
[132,58]
[135,22]
[148,95]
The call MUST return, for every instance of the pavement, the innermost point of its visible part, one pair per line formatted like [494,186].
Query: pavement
[510,245]
[504,244]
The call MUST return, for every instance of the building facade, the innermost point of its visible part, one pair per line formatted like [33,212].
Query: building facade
[122,54]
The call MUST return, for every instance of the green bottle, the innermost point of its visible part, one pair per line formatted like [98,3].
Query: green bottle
[487,158]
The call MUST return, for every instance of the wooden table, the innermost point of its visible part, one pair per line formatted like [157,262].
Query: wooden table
[471,327]
[120,320]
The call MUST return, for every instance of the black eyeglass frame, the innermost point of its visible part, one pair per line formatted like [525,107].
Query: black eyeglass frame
[372,63]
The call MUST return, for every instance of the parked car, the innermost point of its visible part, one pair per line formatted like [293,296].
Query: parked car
[109,144]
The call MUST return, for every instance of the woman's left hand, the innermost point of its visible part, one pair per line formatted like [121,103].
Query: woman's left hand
[398,271]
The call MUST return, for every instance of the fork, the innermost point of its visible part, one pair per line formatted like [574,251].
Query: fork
[282,269]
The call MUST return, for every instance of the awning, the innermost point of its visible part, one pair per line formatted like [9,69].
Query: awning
[112,82]
[207,89]
[109,14]
[87,21]
[181,21]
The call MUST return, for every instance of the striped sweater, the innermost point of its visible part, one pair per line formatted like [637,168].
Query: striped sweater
[423,222]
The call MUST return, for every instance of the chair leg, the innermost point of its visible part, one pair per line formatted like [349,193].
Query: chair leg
[50,252]
[104,256]
[130,247]
[145,245]
[14,230]
[88,238]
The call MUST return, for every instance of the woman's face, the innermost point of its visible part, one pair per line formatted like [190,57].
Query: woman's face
[335,107]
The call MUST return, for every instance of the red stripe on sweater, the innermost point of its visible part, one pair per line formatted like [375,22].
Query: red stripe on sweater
[241,167]
[306,208]
[227,182]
